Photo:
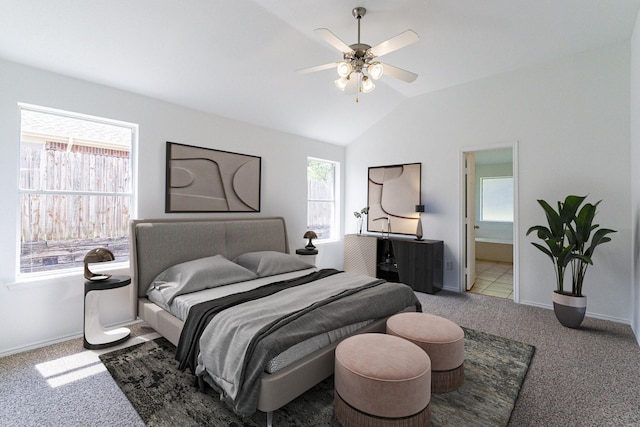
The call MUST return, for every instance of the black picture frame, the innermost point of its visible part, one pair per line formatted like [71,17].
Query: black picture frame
[200,179]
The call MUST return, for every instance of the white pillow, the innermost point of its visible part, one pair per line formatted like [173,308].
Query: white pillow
[196,275]
[269,263]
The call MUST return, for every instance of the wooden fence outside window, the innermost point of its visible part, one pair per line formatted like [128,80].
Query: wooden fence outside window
[72,201]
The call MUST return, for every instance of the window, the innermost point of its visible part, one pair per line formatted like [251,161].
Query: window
[497,199]
[322,179]
[76,188]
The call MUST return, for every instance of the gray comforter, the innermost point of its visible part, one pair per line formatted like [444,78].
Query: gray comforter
[236,346]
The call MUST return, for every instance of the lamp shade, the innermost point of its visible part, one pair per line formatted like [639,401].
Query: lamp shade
[341,83]
[344,69]
[375,70]
[367,85]
[310,235]
[95,256]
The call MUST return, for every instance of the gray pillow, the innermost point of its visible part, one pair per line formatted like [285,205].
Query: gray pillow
[196,275]
[268,263]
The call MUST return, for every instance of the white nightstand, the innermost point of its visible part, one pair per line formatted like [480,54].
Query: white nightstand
[95,335]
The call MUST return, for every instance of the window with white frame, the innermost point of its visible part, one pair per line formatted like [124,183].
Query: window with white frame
[322,179]
[76,188]
[496,199]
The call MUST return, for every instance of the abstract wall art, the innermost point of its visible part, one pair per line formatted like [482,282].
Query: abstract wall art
[393,193]
[207,180]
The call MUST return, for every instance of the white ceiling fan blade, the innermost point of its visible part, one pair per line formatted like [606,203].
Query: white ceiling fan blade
[395,43]
[399,73]
[333,40]
[317,68]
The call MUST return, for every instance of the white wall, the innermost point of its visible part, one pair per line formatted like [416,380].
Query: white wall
[635,174]
[41,312]
[570,118]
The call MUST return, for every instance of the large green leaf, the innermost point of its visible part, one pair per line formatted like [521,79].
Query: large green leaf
[543,249]
[584,223]
[599,237]
[554,220]
[570,207]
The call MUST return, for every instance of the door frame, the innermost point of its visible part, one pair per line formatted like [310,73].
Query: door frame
[469,220]
[516,207]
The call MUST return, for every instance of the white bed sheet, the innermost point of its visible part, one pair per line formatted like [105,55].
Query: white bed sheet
[182,304]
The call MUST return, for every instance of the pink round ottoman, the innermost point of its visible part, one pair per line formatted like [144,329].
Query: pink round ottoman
[441,339]
[381,381]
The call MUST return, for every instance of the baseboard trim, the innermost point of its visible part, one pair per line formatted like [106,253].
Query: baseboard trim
[57,340]
[588,314]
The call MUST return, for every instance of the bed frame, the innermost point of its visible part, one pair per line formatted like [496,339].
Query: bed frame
[157,244]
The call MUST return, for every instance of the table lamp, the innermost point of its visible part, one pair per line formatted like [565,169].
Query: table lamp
[93,256]
[310,235]
[419,209]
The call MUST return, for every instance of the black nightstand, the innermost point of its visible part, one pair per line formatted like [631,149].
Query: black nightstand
[307,255]
[95,336]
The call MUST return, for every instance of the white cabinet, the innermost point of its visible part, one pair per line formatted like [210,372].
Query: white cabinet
[360,254]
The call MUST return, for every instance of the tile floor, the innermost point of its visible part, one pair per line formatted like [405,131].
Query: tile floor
[493,278]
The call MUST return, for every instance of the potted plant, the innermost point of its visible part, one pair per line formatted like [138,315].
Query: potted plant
[571,239]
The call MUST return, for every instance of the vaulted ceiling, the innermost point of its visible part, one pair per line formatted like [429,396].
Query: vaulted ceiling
[238,58]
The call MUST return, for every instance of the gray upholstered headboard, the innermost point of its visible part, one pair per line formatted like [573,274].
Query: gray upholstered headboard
[157,244]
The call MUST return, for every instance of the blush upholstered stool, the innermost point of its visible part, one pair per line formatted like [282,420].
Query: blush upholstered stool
[381,381]
[441,339]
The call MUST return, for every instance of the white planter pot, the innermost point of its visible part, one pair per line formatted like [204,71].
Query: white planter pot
[569,309]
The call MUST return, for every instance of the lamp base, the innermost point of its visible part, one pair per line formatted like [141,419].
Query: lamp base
[419,230]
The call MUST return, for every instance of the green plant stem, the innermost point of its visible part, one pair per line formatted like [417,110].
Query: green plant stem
[559,277]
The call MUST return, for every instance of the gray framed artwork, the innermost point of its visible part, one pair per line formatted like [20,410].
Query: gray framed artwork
[393,193]
[206,180]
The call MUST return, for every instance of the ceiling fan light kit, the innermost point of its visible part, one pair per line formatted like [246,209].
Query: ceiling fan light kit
[344,69]
[367,85]
[375,70]
[359,65]
[342,83]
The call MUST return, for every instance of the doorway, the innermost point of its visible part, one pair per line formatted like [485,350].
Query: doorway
[489,218]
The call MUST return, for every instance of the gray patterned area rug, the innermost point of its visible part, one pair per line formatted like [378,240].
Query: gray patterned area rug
[147,373]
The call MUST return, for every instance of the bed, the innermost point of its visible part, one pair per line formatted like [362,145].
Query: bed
[160,247]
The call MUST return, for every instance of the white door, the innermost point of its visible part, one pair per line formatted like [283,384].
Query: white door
[470,219]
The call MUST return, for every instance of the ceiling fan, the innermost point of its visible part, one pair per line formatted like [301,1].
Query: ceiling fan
[359,64]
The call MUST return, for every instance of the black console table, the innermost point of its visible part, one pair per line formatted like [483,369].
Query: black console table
[418,263]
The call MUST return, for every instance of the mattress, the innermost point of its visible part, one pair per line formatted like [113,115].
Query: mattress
[306,347]
[182,304]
